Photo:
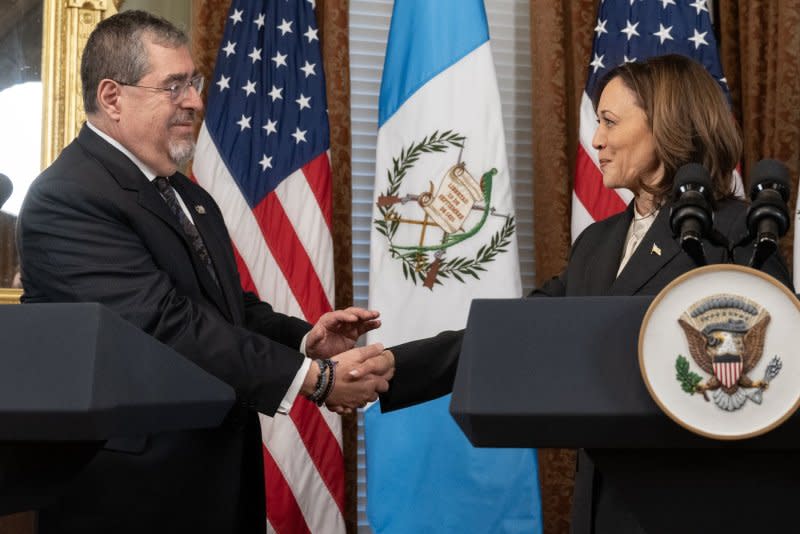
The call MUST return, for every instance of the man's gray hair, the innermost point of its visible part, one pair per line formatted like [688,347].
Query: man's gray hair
[116,50]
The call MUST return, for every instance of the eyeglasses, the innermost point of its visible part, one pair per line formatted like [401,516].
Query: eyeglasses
[178,90]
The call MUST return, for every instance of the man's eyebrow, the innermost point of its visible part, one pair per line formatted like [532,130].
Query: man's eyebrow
[178,77]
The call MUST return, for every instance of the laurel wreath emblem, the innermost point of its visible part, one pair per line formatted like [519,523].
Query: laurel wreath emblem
[417,263]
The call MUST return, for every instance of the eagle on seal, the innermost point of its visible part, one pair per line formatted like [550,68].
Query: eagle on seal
[726,336]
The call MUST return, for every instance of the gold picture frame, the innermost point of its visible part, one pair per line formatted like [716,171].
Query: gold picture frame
[66,28]
[10,296]
[66,25]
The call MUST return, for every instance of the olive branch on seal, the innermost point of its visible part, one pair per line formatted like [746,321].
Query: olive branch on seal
[415,264]
[688,379]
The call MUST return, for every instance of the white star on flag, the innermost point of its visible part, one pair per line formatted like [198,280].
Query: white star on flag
[244,123]
[597,63]
[271,127]
[308,68]
[630,29]
[266,163]
[255,55]
[304,101]
[665,3]
[663,33]
[250,88]
[229,49]
[285,27]
[259,21]
[299,135]
[223,82]
[311,34]
[279,59]
[276,93]
[698,39]
[699,5]
[601,27]
[237,15]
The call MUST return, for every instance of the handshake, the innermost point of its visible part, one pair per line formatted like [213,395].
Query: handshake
[343,376]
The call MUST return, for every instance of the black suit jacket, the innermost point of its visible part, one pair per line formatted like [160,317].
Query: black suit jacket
[93,228]
[591,271]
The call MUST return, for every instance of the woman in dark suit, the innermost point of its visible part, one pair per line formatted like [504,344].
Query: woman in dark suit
[653,117]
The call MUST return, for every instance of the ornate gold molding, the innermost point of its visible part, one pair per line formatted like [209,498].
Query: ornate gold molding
[66,27]
[10,296]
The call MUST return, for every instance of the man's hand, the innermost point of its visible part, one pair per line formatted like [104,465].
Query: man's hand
[381,365]
[350,392]
[378,369]
[338,331]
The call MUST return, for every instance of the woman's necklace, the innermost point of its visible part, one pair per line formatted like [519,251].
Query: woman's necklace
[641,223]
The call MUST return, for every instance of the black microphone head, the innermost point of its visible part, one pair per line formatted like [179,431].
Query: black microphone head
[770,174]
[692,176]
[692,203]
[6,187]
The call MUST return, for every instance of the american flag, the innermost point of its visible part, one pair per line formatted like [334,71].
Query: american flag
[634,30]
[263,155]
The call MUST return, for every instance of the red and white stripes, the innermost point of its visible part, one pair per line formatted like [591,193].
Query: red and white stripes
[285,254]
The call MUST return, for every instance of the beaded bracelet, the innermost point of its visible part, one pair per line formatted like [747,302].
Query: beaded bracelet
[322,383]
[331,382]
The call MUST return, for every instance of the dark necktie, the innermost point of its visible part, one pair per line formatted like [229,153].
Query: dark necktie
[162,184]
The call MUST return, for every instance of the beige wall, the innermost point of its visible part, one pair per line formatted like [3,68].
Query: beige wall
[179,12]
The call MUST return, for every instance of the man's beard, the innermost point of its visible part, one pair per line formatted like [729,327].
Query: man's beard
[181,151]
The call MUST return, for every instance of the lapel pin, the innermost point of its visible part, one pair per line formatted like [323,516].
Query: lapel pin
[655,250]
[200,209]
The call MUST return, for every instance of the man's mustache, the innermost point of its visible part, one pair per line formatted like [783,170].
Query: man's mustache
[187,116]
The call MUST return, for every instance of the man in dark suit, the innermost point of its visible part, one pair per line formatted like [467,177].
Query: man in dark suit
[113,221]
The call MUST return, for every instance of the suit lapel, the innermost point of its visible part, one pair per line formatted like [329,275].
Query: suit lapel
[657,248]
[129,177]
[601,268]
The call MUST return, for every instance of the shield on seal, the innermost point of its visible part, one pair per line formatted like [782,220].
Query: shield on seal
[727,369]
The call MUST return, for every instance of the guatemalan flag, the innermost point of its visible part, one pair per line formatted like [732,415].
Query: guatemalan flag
[443,233]
[262,153]
[626,31]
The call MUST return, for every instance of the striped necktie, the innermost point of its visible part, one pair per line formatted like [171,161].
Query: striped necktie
[166,190]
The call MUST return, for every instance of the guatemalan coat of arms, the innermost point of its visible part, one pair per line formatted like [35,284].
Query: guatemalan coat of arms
[453,209]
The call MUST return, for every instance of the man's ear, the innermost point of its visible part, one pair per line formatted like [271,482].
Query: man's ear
[109,94]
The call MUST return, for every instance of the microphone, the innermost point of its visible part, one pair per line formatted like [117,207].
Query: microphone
[768,215]
[5,189]
[691,217]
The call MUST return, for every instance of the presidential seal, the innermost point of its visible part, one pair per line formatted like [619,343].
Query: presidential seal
[716,351]
[726,333]
[444,216]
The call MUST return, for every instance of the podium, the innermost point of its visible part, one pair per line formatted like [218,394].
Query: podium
[564,372]
[76,377]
